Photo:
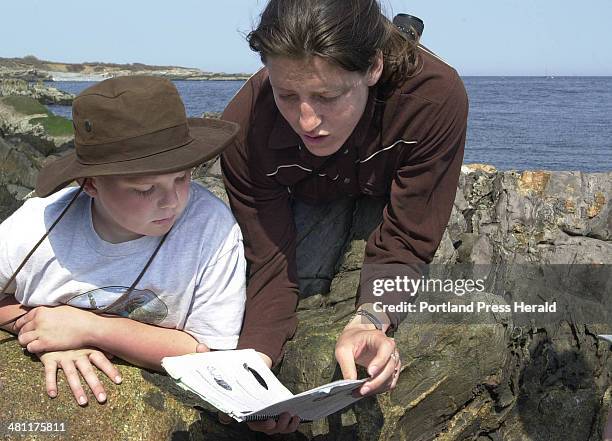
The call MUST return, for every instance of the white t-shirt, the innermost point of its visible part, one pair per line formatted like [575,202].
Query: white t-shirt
[196,283]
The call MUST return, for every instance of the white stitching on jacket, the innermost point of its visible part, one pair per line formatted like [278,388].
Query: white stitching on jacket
[361,161]
[285,166]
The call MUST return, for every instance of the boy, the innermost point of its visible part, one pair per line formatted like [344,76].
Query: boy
[138,262]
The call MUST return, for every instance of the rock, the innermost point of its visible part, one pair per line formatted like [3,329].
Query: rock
[469,168]
[24,118]
[441,374]
[136,409]
[209,175]
[214,115]
[39,91]
[487,377]
[19,165]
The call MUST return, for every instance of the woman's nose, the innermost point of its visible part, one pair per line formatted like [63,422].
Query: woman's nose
[309,119]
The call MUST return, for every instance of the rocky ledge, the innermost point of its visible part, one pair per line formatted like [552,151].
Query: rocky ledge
[31,69]
[493,380]
[41,92]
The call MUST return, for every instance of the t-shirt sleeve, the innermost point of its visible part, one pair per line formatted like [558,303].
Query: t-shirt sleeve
[6,268]
[215,317]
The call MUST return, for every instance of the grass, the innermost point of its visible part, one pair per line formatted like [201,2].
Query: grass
[54,125]
[25,105]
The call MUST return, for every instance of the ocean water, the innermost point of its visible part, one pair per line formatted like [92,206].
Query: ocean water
[198,96]
[528,123]
[515,123]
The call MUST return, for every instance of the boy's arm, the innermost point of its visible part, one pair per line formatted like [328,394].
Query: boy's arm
[139,343]
[10,310]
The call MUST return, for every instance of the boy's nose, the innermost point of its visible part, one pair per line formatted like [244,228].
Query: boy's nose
[169,200]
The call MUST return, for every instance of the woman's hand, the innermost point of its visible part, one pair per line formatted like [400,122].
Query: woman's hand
[74,362]
[56,328]
[369,347]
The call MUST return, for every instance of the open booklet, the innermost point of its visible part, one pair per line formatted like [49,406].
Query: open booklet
[240,384]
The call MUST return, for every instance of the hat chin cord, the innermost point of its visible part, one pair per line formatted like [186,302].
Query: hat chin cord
[25,260]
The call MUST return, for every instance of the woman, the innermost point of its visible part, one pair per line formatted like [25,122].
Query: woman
[345,106]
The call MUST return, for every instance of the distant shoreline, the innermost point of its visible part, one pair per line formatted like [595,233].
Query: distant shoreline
[31,68]
[91,78]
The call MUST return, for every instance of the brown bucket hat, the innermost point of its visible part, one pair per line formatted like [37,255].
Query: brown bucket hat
[133,126]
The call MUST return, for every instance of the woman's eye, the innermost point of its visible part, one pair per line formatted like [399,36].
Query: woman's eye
[286,97]
[328,99]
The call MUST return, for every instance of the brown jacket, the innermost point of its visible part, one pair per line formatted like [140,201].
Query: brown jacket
[408,148]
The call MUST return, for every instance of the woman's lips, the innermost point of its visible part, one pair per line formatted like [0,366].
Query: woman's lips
[314,139]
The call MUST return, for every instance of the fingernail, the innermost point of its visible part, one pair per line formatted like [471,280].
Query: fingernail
[52,393]
[82,401]
[118,379]
[102,397]
[372,370]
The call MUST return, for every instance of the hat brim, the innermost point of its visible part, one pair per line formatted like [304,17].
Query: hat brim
[210,137]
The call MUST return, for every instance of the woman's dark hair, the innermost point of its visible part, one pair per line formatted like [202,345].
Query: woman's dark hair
[348,32]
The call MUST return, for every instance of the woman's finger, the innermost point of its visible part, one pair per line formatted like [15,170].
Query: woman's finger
[396,374]
[87,372]
[385,348]
[346,361]
[105,365]
[378,383]
[74,381]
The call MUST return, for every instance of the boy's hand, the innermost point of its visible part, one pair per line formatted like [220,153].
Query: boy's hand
[285,424]
[73,363]
[201,347]
[56,328]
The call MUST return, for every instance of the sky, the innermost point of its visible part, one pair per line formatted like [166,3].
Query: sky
[477,37]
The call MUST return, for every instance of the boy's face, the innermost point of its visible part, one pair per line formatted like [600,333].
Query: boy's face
[128,207]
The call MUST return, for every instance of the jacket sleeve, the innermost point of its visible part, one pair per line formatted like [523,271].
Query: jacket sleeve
[421,199]
[262,208]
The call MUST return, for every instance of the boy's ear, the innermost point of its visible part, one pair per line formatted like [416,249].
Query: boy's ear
[89,186]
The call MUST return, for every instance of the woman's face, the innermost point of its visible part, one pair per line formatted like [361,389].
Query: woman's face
[321,101]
